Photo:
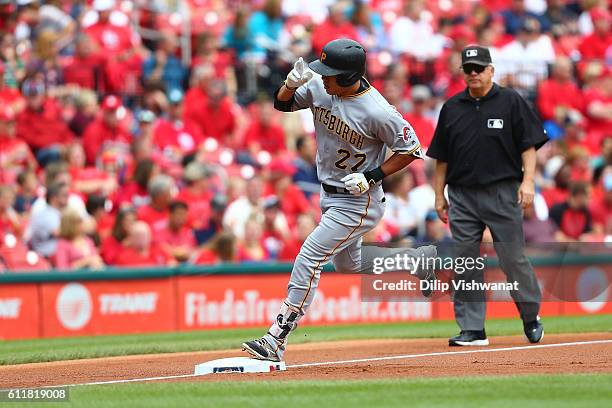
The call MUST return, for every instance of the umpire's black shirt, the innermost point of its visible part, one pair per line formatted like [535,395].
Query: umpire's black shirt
[482,139]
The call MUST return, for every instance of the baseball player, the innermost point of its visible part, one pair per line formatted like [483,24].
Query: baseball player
[354,125]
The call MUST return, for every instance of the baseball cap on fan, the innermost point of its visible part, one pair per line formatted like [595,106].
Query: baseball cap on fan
[420,93]
[111,103]
[475,54]
[196,171]
[282,167]
[103,5]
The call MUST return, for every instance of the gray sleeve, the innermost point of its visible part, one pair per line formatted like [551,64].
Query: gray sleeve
[302,98]
[398,135]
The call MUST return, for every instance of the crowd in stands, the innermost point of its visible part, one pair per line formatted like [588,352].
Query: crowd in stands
[143,132]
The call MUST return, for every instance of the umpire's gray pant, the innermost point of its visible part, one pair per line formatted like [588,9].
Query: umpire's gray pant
[495,206]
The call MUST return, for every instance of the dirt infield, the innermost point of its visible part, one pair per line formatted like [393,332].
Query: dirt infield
[583,358]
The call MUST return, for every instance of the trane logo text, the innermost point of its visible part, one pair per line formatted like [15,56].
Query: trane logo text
[128,303]
[9,308]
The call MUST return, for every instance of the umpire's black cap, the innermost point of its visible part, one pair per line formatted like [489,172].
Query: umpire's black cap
[475,54]
[341,56]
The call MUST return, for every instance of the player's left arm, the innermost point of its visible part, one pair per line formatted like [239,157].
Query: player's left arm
[399,136]
[359,183]
[397,162]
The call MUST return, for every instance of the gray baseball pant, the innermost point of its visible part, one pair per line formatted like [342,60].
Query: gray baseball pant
[337,238]
[495,206]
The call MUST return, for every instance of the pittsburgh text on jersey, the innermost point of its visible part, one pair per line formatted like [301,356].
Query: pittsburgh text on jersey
[337,125]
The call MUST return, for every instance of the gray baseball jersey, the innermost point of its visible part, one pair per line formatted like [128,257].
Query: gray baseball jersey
[352,132]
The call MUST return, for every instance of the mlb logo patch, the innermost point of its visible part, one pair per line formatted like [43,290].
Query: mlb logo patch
[471,53]
[495,123]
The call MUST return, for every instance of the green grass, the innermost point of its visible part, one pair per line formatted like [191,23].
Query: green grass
[572,390]
[25,351]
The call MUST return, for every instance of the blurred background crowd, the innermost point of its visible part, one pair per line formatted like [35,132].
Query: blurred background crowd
[143,132]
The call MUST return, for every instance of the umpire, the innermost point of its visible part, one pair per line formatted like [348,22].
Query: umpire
[485,149]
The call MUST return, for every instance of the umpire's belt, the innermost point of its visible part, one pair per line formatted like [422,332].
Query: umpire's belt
[334,190]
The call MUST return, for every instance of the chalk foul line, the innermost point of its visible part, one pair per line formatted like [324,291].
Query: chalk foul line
[451,353]
[360,360]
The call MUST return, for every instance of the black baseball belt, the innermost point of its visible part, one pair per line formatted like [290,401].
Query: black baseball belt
[334,190]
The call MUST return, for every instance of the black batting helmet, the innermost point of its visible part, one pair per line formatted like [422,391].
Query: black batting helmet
[343,58]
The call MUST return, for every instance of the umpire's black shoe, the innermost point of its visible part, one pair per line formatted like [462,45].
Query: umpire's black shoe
[534,331]
[469,338]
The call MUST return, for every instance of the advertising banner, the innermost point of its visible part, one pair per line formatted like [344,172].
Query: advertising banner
[19,311]
[242,300]
[195,302]
[108,307]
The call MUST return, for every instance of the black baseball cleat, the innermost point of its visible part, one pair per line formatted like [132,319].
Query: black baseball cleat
[260,349]
[428,271]
[427,290]
[534,331]
[469,338]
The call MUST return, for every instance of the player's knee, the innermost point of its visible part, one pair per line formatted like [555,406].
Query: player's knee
[311,259]
[345,264]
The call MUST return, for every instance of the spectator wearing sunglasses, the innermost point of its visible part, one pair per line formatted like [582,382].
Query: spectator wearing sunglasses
[485,149]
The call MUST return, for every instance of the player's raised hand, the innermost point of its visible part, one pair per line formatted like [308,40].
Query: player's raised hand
[356,183]
[300,66]
[299,75]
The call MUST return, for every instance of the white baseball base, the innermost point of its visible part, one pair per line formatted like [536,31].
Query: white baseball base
[238,365]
